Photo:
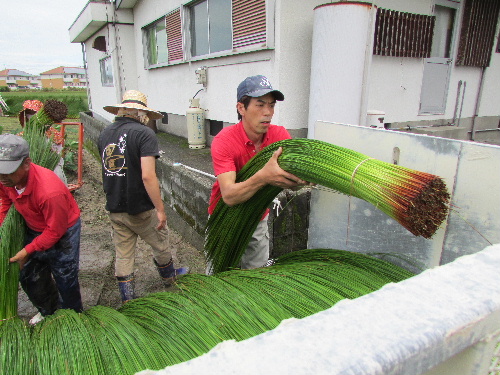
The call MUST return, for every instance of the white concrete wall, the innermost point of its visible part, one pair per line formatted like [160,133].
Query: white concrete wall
[392,84]
[121,47]
[99,95]
[169,88]
[395,83]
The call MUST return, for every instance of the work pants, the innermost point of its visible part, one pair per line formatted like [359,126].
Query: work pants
[50,277]
[126,229]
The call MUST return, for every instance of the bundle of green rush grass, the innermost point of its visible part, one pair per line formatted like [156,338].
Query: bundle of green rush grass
[166,328]
[12,231]
[51,112]
[12,240]
[418,201]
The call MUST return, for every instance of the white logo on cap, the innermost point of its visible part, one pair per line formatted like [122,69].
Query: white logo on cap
[264,82]
[6,152]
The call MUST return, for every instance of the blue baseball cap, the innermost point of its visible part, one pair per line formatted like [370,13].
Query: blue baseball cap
[256,86]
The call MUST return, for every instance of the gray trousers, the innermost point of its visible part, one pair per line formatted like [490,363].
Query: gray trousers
[257,252]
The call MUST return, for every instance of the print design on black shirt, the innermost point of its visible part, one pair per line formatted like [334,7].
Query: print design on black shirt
[113,158]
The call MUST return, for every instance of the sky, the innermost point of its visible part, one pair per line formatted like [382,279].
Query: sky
[34,35]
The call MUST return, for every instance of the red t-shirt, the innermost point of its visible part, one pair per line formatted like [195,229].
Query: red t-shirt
[46,205]
[232,149]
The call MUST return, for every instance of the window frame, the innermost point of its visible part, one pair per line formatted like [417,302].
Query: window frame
[104,64]
[146,32]
[189,26]
[266,44]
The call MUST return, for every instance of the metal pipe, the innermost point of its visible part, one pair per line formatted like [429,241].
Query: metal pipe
[486,130]
[194,170]
[476,106]
[462,103]
[459,88]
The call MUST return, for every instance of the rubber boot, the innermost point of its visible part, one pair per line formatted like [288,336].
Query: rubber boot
[126,285]
[168,273]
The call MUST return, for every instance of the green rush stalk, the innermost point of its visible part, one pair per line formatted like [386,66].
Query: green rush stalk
[12,240]
[419,201]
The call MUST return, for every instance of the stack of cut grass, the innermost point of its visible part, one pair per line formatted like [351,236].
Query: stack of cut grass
[166,328]
[417,200]
[12,231]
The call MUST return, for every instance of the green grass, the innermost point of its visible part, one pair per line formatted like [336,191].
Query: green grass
[75,100]
[10,124]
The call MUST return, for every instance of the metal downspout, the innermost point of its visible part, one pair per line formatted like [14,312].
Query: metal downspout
[367,66]
[476,106]
[84,54]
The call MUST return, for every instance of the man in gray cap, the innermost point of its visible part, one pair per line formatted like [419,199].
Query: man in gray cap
[49,260]
[235,145]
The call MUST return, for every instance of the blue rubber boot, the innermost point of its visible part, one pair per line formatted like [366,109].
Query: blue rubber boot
[168,273]
[126,285]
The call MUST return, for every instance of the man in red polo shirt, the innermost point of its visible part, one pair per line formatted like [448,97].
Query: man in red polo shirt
[49,261]
[235,145]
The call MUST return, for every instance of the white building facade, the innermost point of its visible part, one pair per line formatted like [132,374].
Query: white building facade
[424,63]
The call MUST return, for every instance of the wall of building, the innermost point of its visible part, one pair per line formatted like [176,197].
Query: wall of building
[392,85]
[169,88]
[124,68]
[54,83]
[395,86]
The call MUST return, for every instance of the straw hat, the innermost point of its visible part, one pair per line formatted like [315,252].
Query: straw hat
[134,99]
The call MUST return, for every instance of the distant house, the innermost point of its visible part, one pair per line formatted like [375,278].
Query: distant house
[17,79]
[64,77]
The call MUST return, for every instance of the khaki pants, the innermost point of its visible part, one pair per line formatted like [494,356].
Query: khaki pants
[126,228]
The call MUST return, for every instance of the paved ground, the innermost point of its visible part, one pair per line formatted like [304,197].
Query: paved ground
[97,279]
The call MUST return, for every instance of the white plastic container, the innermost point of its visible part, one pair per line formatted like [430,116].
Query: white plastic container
[195,117]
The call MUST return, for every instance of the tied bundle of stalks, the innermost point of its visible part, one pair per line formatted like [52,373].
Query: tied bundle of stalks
[418,201]
[166,328]
[12,240]
[52,111]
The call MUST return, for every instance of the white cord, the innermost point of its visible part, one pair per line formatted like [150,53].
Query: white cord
[277,206]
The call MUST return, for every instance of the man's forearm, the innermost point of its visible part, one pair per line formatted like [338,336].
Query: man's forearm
[153,189]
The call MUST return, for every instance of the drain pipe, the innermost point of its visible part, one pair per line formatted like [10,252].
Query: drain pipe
[476,107]
[194,170]
[459,89]
[462,103]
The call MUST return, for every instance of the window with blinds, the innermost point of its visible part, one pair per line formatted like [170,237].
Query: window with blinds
[249,22]
[205,28]
[477,34]
[174,36]
[402,34]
